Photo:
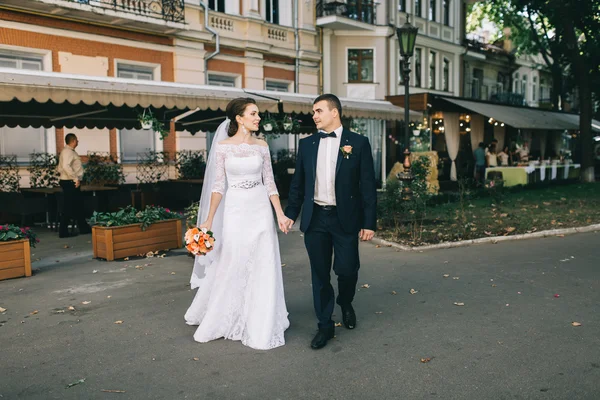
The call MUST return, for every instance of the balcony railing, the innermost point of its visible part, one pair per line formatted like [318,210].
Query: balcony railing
[358,10]
[494,93]
[168,10]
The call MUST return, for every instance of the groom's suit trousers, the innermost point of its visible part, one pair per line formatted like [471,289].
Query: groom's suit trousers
[325,239]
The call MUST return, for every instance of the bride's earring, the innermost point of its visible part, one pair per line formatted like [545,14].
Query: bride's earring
[245,130]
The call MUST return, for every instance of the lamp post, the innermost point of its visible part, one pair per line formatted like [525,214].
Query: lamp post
[407,36]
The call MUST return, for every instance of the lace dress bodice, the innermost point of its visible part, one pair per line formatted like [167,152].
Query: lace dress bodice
[243,166]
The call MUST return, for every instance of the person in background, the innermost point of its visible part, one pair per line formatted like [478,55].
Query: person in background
[503,156]
[523,152]
[71,172]
[494,142]
[492,157]
[479,155]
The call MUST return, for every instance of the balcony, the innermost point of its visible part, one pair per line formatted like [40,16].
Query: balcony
[346,14]
[494,93]
[160,16]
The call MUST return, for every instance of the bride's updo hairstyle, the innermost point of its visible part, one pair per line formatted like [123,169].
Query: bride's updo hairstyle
[234,108]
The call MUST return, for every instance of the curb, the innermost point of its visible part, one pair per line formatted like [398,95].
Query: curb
[494,239]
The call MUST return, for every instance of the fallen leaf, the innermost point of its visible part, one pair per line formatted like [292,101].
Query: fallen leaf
[576,323]
[172,273]
[95,271]
[503,215]
[108,297]
[563,199]
[394,292]
[34,312]
[456,278]
[493,285]
[196,359]
[510,229]
[571,211]
[71,308]
[59,311]
[85,302]
[283,265]
[560,235]
[138,267]
[66,246]
[126,259]
[487,233]
[118,322]
[446,275]
[546,203]
[553,222]
[75,383]
[149,254]
[162,256]
[413,291]
[459,304]
[425,360]
[507,304]
[377,246]
[2,309]
[366,286]
[557,295]
[112,391]
[378,312]
[338,324]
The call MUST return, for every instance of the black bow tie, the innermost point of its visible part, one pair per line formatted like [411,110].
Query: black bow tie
[326,135]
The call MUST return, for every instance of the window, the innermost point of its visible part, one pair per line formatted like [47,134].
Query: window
[418,8]
[221,80]
[418,61]
[27,62]
[516,86]
[446,6]
[524,86]
[360,65]
[277,86]
[446,76]
[432,71]
[402,5]
[134,141]
[216,5]
[135,72]
[22,142]
[273,11]
[432,9]
[534,89]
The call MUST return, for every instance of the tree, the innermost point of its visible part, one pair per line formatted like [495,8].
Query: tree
[566,33]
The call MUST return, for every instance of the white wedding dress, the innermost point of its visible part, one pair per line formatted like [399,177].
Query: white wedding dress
[240,296]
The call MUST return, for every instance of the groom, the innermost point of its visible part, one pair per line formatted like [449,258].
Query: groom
[335,183]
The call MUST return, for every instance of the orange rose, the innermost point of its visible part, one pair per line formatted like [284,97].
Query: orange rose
[347,149]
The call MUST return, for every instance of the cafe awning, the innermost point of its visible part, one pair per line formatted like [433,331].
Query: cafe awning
[55,99]
[522,117]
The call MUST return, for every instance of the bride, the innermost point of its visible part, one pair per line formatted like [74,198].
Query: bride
[240,286]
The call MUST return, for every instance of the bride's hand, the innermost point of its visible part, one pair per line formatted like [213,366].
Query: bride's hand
[206,224]
[284,223]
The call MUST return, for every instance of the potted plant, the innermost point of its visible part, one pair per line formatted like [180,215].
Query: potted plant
[149,121]
[15,257]
[129,232]
[102,169]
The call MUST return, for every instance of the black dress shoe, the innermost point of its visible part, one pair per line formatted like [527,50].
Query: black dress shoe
[348,316]
[321,338]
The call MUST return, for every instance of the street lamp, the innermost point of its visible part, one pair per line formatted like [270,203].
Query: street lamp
[407,36]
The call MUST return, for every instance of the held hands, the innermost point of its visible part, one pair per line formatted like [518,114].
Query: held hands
[77,183]
[285,224]
[366,234]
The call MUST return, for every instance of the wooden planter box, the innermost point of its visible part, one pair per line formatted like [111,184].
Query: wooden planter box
[15,259]
[130,240]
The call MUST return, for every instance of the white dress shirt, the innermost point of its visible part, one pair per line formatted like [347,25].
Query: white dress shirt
[327,156]
[69,165]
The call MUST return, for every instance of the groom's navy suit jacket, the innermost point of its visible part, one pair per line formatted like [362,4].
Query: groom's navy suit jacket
[355,186]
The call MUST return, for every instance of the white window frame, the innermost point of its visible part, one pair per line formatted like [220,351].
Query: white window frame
[236,78]
[280,83]
[444,58]
[437,70]
[16,51]
[44,144]
[374,65]
[156,68]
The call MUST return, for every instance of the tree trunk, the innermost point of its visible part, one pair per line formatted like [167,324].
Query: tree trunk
[585,126]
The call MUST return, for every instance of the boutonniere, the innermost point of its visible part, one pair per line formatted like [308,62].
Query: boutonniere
[346,151]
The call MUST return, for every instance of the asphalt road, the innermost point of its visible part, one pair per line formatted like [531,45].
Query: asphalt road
[512,339]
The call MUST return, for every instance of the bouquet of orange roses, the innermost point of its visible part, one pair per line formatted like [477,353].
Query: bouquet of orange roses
[199,242]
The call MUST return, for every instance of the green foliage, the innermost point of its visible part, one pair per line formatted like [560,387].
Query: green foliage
[190,164]
[43,171]
[130,215]
[13,232]
[9,174]
[401,203]
[191,214]
[285,159]
[102,169]
[157,126]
